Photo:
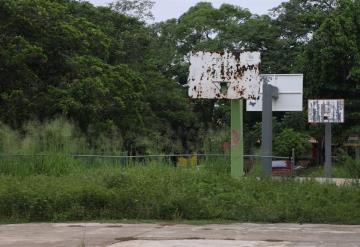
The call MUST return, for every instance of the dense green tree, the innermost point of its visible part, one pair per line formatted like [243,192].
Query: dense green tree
[296,22]
[119,78]
[299,19]
[332,59]
[137,8]
[57,62]
[295,120]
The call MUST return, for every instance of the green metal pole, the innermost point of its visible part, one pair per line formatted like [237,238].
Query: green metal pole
[237,145]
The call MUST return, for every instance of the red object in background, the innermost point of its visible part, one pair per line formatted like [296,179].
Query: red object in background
[281,168]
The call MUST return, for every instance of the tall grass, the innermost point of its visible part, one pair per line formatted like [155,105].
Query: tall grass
[346,167]
[49,184]
[10,140]
[164,192]
[352,167]
[58,136]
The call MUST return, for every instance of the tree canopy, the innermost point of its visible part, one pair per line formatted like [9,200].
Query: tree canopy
[113,74]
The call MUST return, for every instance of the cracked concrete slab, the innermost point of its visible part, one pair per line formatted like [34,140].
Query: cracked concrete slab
[159,235]
[67,235]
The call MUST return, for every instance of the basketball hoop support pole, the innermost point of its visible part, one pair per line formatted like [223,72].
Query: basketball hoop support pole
[269,93]
[328,150]
[237,139]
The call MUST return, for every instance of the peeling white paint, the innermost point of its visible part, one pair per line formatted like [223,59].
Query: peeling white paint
[224,75]
[326,111]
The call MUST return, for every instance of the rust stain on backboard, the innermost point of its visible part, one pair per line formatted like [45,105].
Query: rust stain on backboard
[224,75]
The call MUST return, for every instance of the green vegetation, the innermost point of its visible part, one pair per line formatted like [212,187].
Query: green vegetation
[160,191]
[346,168]
[288,139]
[352,167]
[116,77]
[338,171]
[80,79]
[49,184]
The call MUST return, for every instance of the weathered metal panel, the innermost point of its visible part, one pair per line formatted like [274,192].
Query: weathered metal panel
[290,96]
[224,75]
[326,111]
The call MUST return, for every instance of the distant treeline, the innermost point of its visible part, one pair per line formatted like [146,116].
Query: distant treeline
[117,77]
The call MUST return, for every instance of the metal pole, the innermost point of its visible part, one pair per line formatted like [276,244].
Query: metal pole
[237,146]
[328,150]
[293,161]
[266,145]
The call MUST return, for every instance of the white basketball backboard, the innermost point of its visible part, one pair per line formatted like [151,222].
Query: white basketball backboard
[224,75]
[326,111]
[290,93]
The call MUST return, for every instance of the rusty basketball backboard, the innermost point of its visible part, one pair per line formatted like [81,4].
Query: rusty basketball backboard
[224,75]
[326,111]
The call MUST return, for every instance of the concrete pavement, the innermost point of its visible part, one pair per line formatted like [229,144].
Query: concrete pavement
[162,235]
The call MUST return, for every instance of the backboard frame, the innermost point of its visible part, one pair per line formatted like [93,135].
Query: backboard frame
[290,93]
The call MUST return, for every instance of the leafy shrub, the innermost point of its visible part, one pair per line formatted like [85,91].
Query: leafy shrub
[295,120]
[352,166]
[289,139]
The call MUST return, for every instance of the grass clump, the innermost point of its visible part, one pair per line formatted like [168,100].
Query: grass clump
[352,167]
[164,192]
[346,167]
[50,184]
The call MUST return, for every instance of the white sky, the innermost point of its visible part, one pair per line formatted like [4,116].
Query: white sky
[166,9]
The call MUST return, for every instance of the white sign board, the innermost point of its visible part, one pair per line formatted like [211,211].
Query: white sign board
[224,75]
[290,93]
[326,111]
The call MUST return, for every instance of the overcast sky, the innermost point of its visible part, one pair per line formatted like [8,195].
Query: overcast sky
[166,9]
